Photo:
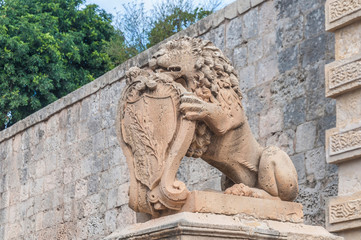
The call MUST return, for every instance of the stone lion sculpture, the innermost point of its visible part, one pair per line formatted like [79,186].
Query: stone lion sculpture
[222,135]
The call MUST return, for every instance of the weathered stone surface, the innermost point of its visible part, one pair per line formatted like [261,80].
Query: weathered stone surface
[349,177]
[210,226]
[218,18]
[299,162]
[255,50]
[218,36]
[288,91]
[305,136]
[204,25]
[234,36]
[267,17]
[287,8]
[288,58]
[317,105]
[269,43]
[341,13]
[315,22]
[294,112]
[348,108]
[250,20]
[348,41]
[271,122]
[290,32]
[313,49]
[240,60]
[350,234]
[283,140]
[256,2]
[315,163]
[267,69]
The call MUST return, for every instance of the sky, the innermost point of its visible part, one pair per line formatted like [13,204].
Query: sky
[113,6]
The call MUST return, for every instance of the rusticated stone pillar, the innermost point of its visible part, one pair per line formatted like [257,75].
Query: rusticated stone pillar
[343,143]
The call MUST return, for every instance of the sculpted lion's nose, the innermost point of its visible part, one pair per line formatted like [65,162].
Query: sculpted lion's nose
[159,53]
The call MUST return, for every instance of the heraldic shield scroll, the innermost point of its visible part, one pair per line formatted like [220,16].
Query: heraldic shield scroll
[154,137]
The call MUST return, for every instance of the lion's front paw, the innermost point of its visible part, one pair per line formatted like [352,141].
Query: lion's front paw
[241,190]
[193,107]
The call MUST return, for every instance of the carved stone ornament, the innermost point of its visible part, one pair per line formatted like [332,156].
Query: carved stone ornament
[343,76]
[340,8]
[188,102]
[340,13]
[345,211]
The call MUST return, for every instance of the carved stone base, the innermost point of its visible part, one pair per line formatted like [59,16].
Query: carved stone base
[216,202]
[192,226]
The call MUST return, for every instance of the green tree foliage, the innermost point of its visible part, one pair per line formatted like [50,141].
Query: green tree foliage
[118,51]
[172,16]
[142,29]
[48,48]
[176,21]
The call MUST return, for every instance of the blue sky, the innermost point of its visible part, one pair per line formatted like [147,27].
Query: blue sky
[112,6]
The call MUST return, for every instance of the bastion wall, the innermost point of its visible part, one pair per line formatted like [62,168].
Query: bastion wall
[63,173]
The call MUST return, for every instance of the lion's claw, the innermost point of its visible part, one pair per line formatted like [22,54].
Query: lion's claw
[241,190]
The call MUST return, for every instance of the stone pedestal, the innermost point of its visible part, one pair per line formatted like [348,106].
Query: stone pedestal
[214,215]
[198,226]
[343,143]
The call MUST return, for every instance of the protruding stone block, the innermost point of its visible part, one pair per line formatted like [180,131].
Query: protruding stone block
[256,2]
[200,226]
[344,213]
[343,76]
[204,25]
[343,144]
[340,13]
[230,11]
[243,6]
[218,18]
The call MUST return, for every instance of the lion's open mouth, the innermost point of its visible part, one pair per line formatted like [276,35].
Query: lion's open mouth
[173,68]
[175,72]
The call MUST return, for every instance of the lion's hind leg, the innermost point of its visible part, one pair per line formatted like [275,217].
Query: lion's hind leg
[277,174]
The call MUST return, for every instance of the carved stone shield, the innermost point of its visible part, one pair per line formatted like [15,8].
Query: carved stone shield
[149,125]
[154,137]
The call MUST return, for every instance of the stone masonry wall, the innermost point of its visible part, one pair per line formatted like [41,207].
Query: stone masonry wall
[62,172]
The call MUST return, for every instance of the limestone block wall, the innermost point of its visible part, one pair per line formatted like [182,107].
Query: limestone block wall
[62,172]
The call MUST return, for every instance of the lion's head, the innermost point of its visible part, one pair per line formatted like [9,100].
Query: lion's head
[196,64]
[202,69]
